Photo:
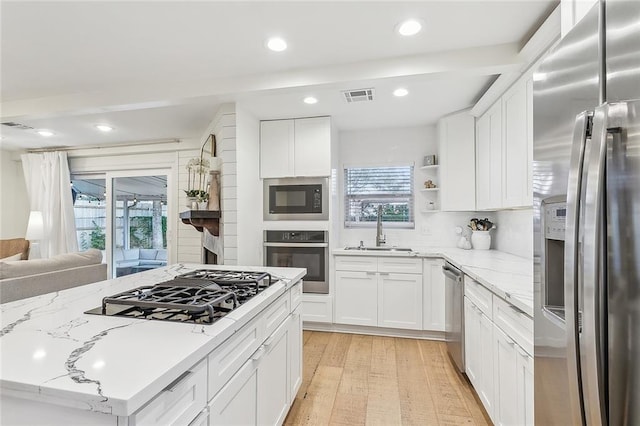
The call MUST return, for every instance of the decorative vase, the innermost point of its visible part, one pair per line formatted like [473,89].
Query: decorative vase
[202,205]
[481,240]
[192,203]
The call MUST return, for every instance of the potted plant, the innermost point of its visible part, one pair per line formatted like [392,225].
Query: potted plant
[203,200]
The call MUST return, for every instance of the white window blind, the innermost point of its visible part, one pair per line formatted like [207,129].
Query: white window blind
[368,187]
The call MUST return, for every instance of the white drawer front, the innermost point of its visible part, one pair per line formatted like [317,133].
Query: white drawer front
[180,403]
[401,265]
[515,323]
[275,314]
[479,295]
[229,357]
[356,263]
[296,295]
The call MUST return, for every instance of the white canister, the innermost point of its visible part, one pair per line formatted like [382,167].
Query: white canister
[481,240]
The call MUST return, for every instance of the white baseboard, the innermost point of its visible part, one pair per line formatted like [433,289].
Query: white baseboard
[373,331]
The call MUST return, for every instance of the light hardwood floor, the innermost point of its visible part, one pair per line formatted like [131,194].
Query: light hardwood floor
[351,379]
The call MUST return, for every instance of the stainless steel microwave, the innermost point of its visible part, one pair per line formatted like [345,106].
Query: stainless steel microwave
[296,199]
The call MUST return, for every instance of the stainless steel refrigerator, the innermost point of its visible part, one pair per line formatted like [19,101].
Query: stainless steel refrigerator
[587,222]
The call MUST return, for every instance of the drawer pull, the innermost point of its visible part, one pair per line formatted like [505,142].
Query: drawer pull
[384,273]
[516,309]
[269,341]
[173,385]
[258,354]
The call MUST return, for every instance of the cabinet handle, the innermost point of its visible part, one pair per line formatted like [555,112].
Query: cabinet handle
[258,354]
[370,273]
[174,385]
[516,310]
[384,273]
[269,341]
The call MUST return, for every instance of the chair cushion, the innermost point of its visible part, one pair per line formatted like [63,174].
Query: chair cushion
[148,254]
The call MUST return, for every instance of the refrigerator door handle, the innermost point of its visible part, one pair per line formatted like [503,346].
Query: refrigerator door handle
[594,332]
[571,274]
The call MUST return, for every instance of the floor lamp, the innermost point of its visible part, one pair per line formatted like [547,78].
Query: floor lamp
[35,233]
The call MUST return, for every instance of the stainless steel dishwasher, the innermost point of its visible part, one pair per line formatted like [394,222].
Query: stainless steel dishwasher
[454,312]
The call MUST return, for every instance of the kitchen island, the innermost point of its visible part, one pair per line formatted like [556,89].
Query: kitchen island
[62,366]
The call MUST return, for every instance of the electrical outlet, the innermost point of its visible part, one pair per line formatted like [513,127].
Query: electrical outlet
[426,230]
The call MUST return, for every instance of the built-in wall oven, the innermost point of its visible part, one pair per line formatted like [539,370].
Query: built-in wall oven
[300,249]
[296,199]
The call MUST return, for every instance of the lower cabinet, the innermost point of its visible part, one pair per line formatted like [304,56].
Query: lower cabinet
[356,298]
[400,301]
[514,382]
[273,377]
[389,291]
[433,314]
[295,352]
[379,299]
[262,389]
[499,369]
[478,353]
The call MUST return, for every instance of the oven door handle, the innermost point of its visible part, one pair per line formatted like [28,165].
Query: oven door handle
[296,245]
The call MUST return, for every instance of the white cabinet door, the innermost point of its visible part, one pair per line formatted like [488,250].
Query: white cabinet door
[457,162]
[236,403]
[505,379]
[472,343]
[489,158]
[356,298]
[295,352]
[276,148]
[273,378]
[486,391]
[433,315]
[528,201]
[400,301]
[515,146]
[312,154]
[478,339]
[524,383]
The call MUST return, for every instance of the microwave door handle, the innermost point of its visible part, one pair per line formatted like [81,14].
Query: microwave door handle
[571,275]
[592,346]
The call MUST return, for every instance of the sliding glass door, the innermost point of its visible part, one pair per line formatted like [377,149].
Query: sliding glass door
[124,214]
[139,241]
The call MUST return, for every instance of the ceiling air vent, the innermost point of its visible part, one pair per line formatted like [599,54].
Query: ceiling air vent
[17,125]
[358,95]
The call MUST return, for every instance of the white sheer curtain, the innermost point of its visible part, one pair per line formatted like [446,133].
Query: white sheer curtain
[48,185]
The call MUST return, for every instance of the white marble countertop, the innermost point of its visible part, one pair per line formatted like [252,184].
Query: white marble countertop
[51,351]
[506,275]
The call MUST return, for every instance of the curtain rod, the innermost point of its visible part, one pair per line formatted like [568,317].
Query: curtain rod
[120,145]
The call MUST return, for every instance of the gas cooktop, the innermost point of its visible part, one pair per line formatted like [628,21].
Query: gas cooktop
[201,296]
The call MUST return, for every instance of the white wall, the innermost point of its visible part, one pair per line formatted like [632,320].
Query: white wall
[249,187]
[14,203]
[514,233]
[389,146]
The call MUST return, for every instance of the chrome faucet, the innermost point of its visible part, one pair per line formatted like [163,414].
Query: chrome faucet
[380,238]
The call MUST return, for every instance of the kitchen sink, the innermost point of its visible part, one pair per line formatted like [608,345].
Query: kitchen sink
[405,249]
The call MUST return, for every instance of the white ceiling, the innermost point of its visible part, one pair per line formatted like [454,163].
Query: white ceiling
[159,69]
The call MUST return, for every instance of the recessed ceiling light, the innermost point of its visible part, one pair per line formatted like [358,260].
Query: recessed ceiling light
[310,100]
[276,44]
[400,92]
[104,127]
[409,27]
[45,133]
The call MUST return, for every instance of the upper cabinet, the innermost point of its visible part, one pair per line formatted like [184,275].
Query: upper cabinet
[295,147]
[489,159]
[456,137]
[504,146]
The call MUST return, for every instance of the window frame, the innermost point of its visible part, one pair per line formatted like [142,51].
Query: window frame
[410,198]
